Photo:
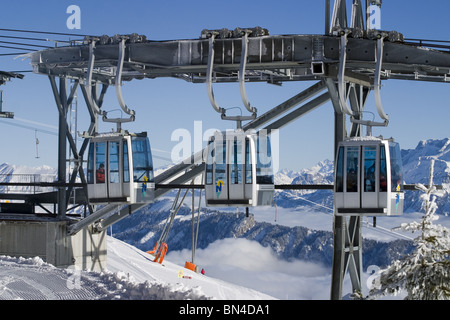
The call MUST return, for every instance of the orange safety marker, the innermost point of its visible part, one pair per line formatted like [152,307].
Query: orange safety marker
[161,253]
[191,266]
[154,249]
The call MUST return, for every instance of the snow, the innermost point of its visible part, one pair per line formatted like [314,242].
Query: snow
[122,256]
[131,275]
[239,264]
[364,138]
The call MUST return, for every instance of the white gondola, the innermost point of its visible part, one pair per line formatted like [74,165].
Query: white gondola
[120,169]
[239,170]
[368,177]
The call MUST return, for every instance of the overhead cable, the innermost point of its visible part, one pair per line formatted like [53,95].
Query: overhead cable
[46,32]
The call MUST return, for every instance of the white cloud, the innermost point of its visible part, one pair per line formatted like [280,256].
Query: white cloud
[251,265]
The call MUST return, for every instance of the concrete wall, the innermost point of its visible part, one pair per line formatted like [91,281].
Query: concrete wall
[49,241]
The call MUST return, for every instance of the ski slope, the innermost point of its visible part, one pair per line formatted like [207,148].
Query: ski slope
[131,275]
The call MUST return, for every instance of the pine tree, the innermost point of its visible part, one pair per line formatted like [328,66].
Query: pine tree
[425,273]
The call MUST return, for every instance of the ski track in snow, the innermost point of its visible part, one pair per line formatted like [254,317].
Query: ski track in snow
[37,281]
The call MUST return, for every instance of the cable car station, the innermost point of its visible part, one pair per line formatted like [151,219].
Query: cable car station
[346,63]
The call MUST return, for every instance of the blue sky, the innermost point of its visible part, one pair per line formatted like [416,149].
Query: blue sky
[417,110]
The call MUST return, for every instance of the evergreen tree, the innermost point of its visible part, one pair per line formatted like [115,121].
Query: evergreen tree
[425,273]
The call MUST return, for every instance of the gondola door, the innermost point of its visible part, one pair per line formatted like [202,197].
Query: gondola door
[236,178]
[97,176]
[220,172]
[360,191]
[114,176]
[352,184]
[370,185]
[227,183]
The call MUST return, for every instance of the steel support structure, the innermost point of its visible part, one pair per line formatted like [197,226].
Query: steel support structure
[345,61]
[62,103]
[4,77]
[63,98]
[347,231]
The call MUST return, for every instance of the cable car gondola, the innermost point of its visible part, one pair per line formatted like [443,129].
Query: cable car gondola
[120,169]
[368,177]
[239,170]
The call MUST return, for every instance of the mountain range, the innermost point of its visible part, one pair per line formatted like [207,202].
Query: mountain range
[143,228]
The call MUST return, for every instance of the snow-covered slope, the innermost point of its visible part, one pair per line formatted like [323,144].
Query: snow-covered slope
[131,274]
[275,245]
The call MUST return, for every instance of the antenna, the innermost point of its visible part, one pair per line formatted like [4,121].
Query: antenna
[37,143]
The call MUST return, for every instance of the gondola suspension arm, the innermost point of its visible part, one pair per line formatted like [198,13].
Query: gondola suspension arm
[242,68]
[91,100]
[376,87]
[119,80]
[376,90]
[342,87]
[118,85]
[377,81]
[209,73]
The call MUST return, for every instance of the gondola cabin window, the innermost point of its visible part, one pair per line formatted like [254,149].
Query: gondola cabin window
[126,162]
[114,155]
[248,163]
[383,170]
[396,168]
[352,169]
[264,170]
[236,162]
[209,163]
[370,158]
[142,161]
[339,184]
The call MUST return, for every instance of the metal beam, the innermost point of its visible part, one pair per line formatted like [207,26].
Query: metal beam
[272,59]
[181,179]
[74,228]
[357,20]
[327,17]
[122,213]
[353,252]
[339,19]
[61,103]
[337,270]
[286,106]
[299,112]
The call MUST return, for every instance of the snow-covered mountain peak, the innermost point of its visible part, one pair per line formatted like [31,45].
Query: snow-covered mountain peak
[6,168]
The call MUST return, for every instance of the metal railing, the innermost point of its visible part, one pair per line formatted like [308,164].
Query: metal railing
[27,183]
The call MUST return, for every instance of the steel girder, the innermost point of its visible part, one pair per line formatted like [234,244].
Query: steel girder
[272,59]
